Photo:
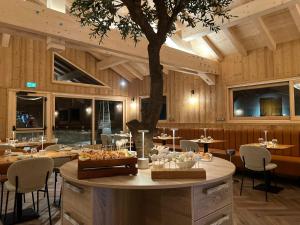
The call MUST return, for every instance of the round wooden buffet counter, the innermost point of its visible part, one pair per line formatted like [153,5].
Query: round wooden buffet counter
[139,200]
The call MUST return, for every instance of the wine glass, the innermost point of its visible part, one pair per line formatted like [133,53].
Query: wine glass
[7,152]
[261,141]
[274,142]
[33,151]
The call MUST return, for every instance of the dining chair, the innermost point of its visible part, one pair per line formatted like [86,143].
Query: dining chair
[257,159]
[187,145]
[58,162]
[28,176]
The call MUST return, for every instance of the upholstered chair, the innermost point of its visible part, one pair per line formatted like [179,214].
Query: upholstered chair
[29,175]
[257,159]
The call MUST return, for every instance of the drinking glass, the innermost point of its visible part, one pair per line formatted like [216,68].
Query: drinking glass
[274,142]
[33,150]
[261,140]
[7,152]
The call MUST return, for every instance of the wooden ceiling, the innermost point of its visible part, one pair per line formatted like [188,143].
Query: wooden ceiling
[259,23]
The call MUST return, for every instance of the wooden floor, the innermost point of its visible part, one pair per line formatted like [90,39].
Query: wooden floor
[249,209]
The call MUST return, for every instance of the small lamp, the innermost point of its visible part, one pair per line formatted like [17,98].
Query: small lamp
[174,130]
[143,163]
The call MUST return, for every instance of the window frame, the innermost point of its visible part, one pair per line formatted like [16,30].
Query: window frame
[247,86]
[54,81]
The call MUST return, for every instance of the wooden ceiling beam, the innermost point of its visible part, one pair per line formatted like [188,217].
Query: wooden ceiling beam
[241,13]
[110,61]
[119,69]
[133,71]
[56,44]
[295,12]
[38,19]
[213,47]
[263,30]
[235,41]
[5,39]
[143,68]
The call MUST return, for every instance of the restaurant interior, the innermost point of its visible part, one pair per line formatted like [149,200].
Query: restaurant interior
[97,128]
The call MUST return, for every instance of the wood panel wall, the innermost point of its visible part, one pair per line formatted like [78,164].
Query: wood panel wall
[177,88]
[28,59]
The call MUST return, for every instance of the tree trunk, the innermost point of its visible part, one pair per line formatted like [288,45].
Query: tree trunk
[150,115]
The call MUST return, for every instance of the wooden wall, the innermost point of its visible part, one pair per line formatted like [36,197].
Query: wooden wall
[261,65]
[28,60]
[177,88]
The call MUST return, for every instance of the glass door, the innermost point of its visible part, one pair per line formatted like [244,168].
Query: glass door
[30,116]
[108,118]
[73,120]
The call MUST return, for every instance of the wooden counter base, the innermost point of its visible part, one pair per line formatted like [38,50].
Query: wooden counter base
[208,203]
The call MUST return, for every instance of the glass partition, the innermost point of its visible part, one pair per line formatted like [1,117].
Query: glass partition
[73,120]
[264,101]
[297,98]
[108,118]
[30,112]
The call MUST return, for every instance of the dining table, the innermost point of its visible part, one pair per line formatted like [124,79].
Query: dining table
[28,214]
[271,146]
[164,139]
[23,144]
[207,142]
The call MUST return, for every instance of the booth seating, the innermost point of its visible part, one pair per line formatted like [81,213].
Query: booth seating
[288,160]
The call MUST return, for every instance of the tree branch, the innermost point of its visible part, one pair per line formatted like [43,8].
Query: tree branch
[135,9]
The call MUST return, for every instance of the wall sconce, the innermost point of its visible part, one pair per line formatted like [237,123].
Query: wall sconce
[133,103]
[123,83]
[56,113]
[119,107]
[193,98]
[88,110]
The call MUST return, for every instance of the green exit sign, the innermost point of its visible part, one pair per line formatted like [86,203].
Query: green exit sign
[31,84]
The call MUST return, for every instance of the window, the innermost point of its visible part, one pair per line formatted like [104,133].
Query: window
[30,111]
[297,98]
[163,112]
[73,120]
[108,118]
[64,71]
[262,101]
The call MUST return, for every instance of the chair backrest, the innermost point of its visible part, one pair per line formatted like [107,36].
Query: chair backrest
[254,156]
[187,145]
[53,147]
[31,173]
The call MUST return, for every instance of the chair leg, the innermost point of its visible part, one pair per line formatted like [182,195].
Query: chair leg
[253,180]
[242,183]
[15,206]
[2,191]
[33,203]
[266,186]
[55,182]
[37,202]
[48,201]
[5,213]
[59,201]
[24,198]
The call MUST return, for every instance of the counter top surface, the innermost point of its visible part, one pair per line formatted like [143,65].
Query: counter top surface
[216,170]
